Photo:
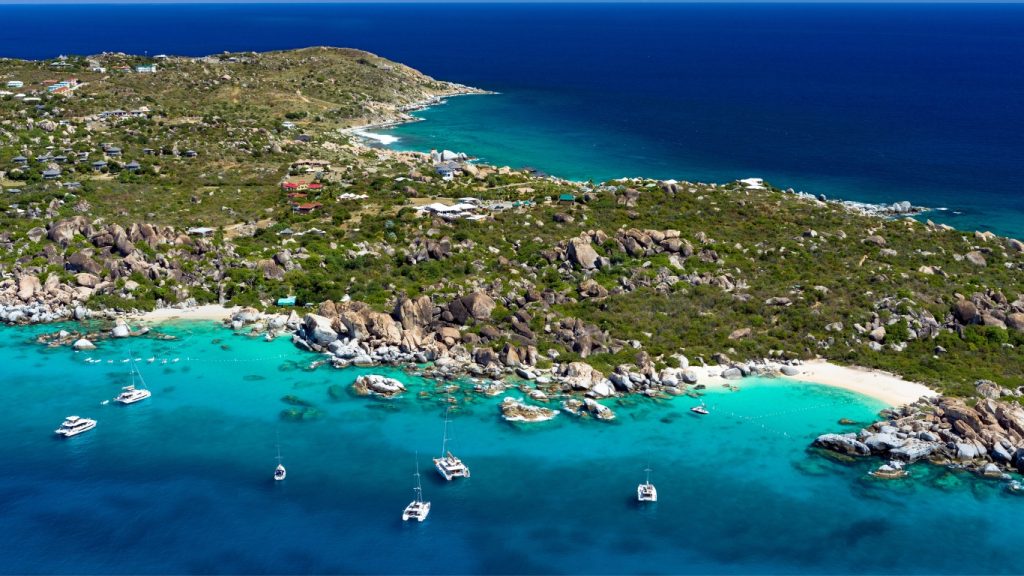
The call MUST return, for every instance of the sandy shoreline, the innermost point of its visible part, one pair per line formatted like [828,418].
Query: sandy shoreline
[888,388]
[214,312]
[406,116]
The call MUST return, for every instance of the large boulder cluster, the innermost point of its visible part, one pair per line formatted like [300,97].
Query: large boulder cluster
[376,385]
[100,259]
[579,252]
[944,430]
[518,411]
[988,308]
[416,331]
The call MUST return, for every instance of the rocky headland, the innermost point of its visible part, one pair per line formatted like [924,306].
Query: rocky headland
[984,435]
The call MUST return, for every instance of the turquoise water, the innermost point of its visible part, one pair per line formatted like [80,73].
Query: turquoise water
[182,482]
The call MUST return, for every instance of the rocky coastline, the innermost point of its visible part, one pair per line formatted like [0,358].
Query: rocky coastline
[985,436]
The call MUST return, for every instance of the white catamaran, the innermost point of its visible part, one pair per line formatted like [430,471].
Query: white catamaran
[646,492]
[417,509]
[447,464]
[130,394]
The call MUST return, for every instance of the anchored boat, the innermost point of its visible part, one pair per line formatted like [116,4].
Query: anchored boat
[646,492]
[279,473]
[447,464]
[417,509]
[130,394]
[75,425]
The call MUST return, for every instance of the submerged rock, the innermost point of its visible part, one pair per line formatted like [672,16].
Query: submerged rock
[295,401]
[304,414]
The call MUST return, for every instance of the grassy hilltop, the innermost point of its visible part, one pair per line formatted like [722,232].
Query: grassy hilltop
[599,272]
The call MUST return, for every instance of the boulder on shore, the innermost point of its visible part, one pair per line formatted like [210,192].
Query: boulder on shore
[843,444]
[121,329]
[318,329]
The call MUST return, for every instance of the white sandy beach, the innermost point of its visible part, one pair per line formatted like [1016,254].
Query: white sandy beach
[215,312]
[876,384]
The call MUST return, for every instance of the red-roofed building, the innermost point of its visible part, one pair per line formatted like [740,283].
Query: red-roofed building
[296,195]
[316,186]
[295,185]
[307,207]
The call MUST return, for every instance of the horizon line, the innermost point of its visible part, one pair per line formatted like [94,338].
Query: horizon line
[338,2]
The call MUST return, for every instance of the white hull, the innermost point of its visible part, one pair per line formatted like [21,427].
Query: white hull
[280,473]
[451,467]
[646,493]
[133,396]
[69,431]
[416,511]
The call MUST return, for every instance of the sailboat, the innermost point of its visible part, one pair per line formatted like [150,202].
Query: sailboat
[130,394]
[417,509]
[447,464]
[279,473]
[646,492]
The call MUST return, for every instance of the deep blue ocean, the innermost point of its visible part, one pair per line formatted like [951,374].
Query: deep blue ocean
[182,482]
[872,102]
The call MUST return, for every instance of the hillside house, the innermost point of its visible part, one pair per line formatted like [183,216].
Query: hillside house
[307,208]
[448,170]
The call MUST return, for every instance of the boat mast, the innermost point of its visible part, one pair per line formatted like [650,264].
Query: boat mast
[278,448]
[648,470]
[419,486]
[134,370]
[131,366]
[444,439]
